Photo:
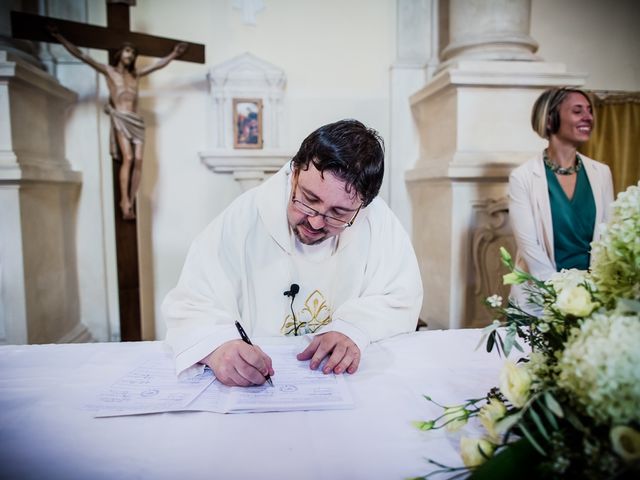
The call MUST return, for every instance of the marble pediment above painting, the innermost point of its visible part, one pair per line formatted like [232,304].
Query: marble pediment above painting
[245,119]
[247,70]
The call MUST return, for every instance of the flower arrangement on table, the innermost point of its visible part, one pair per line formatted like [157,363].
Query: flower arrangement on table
[571,407]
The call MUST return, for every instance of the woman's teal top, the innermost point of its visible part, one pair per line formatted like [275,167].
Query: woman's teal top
[573,221]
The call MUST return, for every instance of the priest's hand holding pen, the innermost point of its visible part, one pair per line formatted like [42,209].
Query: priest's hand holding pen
[240,363]
[245,339]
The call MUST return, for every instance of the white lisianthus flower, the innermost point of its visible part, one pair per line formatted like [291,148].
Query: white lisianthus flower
[513,278]
[494,301]
[475,451]
[575,301]
[506,256]
[489,416]
[626,442]
[455,418]
[515,382]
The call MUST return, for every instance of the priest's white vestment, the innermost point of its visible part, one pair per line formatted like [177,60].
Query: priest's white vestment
[364,283]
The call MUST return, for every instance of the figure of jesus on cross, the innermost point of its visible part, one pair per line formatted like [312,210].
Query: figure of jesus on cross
[127,127]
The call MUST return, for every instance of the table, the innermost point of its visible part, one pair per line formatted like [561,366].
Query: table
[45,434]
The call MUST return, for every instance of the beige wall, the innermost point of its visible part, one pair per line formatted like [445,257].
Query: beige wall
[597,37]
[336,55]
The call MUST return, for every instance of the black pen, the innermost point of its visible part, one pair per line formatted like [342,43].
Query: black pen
[245,339]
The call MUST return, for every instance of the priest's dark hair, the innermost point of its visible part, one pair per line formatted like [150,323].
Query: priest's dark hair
[350,151]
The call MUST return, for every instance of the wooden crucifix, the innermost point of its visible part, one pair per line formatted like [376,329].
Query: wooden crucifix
[127,127]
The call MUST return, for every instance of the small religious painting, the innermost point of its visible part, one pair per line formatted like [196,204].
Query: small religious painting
[247,123]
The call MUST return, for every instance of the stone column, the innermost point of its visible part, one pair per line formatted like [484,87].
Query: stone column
[415,62]
[474,128]
[39,301]
[489,30]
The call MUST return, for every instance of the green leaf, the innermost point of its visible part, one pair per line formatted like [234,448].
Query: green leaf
[491,341]
[553,405]
[490,328]
[500,343]
[575,421]
[517,460]
[532,440]
[538,422]
[482,340]
[507,423]
[510,340]
[549,416]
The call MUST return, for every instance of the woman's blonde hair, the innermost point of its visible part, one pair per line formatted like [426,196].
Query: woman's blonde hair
[545,115]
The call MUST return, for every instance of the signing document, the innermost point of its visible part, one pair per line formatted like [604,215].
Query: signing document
[153,387]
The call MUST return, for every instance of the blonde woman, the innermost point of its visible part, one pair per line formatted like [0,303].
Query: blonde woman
[558,198]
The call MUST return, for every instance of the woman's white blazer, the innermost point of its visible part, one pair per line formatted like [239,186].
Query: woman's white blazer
[530,212]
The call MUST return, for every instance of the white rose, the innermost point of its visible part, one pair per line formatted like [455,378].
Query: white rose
[489,416]
[515,383]
[575,301]
[567,279]
[475,451]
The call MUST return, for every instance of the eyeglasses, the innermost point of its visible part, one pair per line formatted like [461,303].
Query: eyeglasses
[312,212]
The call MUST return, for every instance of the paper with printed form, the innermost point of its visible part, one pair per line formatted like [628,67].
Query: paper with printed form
[153,387]
[295,387]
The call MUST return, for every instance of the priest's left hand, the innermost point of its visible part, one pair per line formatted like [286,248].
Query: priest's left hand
[343,353]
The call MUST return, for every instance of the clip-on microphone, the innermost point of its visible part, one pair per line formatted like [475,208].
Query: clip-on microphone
[292,292]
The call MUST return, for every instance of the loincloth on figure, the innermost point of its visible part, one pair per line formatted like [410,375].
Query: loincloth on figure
[130,124]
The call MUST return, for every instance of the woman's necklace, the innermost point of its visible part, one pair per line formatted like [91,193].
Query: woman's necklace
[561,170]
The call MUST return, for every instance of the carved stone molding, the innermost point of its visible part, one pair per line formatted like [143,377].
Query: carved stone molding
[249,168]
[492,232]
[245,76]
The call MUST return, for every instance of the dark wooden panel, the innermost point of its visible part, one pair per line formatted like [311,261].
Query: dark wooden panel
[128,273]
[118,16]
[130,326]
[34,27]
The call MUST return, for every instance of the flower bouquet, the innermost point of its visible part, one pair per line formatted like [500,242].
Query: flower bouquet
[570,407]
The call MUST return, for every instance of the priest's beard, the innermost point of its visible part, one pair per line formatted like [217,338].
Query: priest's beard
[309,241]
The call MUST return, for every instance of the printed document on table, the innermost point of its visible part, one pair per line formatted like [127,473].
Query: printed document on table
[151,387]
[295,387]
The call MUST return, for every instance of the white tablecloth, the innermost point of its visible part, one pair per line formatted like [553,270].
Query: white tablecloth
[44,433]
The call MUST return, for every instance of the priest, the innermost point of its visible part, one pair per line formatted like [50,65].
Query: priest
[312,251]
